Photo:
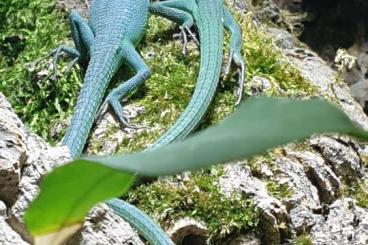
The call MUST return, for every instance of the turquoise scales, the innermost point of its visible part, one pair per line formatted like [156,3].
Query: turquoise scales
[109,38]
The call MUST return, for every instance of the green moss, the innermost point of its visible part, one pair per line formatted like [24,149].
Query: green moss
[28,30]
[43,103]
[357,190]
[280,191]
[168,91]
[264,60]
[303,240]
[199,198]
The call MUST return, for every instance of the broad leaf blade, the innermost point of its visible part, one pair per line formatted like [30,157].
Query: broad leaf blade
[69,192]
[260,124]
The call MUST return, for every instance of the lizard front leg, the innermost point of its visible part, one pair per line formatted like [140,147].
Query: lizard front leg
[134,60]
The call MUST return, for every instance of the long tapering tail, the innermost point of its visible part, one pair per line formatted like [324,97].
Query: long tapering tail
[98,75]
[211,36]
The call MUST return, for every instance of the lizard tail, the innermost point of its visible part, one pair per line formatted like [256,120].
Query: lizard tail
[211,36]
[97,77]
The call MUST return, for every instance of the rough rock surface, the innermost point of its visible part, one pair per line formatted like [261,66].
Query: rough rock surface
[314,176]
[342,225]
[249,239]
[188,227]
[13,149]
[27,157]
[7,234]
[238,179]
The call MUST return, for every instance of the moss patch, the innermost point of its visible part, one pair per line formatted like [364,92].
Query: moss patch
[303,240]
[357,190]
[29,30]
[199,198]
[42,103]
[279,191]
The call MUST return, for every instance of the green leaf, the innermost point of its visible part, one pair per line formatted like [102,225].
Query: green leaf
[260,124]
[69,192]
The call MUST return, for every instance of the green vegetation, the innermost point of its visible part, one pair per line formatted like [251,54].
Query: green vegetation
[240,136]
[29,29]
[303,240]
[280,191]
[199,198]
[358,190]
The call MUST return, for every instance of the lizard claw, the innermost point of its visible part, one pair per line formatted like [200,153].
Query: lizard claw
[118,110]
[238,60]
[55,54]
[185,40]
[184,31]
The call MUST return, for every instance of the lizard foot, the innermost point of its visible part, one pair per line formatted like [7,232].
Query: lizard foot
[118,110]
[238,60]
[184,31]
[55,54]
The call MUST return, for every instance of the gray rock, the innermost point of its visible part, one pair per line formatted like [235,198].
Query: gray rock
[320,174]
[103,227]
[37,159]
[343,157]
[108,134]
[318,73]
[361,225]
[42,159]
[7,235]
[283,39]
[259,85]
[302,219]
[248,239]
[241,6]
[274,217]
[188,227]
[81,6]
[12,152]
[292,173]
[340,225]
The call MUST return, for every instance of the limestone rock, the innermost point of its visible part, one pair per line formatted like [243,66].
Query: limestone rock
[31,158]
[342,156]
[102,226]
[260,85]
[7,235]
[237,178]
[291,172]
[339,225]
[320,174]
[248,239]
[188,228]
[12,152]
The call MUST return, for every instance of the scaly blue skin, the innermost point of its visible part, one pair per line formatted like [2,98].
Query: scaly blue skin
[109,47]
[108,40]
[210,16]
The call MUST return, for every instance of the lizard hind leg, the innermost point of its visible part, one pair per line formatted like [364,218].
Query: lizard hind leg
[177,11]
[133,59]
[235,55]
